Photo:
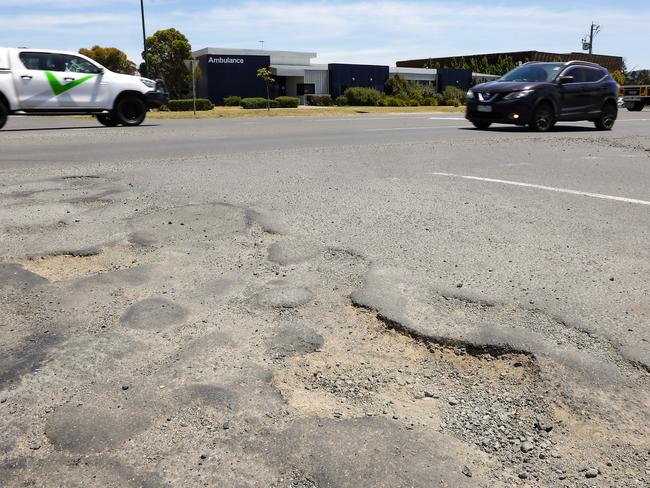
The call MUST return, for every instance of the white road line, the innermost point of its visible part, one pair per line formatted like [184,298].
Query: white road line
[447,118]
[417,128]
[548,188]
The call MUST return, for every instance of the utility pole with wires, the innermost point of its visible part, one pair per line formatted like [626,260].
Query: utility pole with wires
[588,41]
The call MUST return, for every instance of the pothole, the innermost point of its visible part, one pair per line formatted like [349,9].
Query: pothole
[370,370]
[71,265]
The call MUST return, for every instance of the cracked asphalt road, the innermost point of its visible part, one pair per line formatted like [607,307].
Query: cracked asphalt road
[324,302]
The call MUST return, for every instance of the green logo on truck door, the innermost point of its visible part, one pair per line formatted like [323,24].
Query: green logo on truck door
[58,88]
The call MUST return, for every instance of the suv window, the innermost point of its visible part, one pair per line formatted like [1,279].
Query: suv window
[75,64]
[577,72]
[42,61]
[593,74]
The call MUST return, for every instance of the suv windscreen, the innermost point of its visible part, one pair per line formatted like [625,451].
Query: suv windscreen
[534,72]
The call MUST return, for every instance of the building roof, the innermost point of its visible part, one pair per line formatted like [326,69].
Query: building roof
[610,62]
[292,58]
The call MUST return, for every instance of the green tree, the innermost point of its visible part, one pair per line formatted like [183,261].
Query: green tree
[166,51]
[265,75]
[111,58]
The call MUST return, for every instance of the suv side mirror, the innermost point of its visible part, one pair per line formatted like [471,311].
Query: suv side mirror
[566,79]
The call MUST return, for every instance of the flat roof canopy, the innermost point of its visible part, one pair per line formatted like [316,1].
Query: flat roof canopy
[292,58]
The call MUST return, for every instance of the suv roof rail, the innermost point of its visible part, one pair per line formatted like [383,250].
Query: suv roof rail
[586,63]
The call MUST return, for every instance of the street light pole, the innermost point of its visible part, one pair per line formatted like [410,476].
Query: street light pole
[144,40]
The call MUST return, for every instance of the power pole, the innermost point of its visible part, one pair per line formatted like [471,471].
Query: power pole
[144,40]
[588,42]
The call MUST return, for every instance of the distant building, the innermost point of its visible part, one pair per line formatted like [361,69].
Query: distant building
[612,63]
[226,72]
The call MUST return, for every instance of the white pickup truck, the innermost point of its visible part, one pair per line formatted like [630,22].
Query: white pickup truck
[46,82]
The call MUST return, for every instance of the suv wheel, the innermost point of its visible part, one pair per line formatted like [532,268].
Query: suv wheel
[543,118]
[129,111]
[107,120]
[4,114]
[607,117]
[636,107]
[482,125]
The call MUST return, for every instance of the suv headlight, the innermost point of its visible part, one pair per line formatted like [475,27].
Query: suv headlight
[148,83]
[470,95]
[518,94]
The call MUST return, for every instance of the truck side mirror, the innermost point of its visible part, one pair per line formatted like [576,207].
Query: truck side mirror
[566,79]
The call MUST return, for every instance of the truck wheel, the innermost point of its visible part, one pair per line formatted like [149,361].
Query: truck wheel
[636,107]
[4,114]
[482,125]
[543,118]
[107,120]
[129,111]
[607,117]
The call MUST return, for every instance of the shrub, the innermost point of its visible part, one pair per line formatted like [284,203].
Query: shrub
[390,102]
[453,96]
[288,102]
[319,100]
[233,101]
[188,104]
[431,102]
[363,97]
[258,102]
[341,101]
[163,108]
[411,102]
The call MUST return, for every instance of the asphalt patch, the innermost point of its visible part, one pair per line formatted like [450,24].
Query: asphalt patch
[15,276]
[153,313]
[285,297]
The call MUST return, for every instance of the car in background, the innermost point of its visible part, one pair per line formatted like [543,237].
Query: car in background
[539,94]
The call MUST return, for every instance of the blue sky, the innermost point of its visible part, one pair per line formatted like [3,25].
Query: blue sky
[341,31]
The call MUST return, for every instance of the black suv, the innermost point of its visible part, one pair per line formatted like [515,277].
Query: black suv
[540,94]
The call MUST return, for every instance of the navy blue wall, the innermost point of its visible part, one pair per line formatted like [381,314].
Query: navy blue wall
[225,75]
[343,76]
[460,78]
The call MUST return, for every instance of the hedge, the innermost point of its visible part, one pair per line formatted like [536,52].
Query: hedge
[319,100]
[258,102]
[341,100]
[288,102]
[364,97]
[188,104]
[233,101]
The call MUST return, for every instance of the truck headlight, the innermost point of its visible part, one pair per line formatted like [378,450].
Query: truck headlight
[470,95]
[518,94]
[148,83]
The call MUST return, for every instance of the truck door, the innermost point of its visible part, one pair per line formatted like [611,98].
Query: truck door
[32,86]
[80,84]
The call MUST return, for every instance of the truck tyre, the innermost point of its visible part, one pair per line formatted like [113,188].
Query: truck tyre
[543,118]
[129,111]
[107,120]
[636,107]
[4,114]
[481,125]
[607,117]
